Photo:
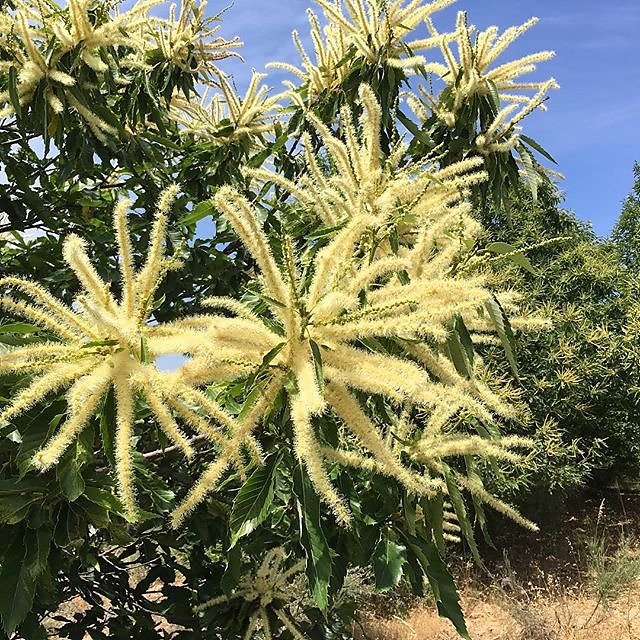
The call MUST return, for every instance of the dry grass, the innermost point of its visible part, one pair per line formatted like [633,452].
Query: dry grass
[545,587]
[499,617]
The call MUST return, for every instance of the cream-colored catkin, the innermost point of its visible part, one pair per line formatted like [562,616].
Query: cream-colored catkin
[147,279]
[163,415]
[91,388]
[307,448]
[126,253]
[40,388]
[200,490]
[123,441]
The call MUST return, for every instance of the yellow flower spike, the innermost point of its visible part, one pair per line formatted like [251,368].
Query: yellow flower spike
[38,35]
[471,74]
[270,589]
[318,354]
[228,451]
[107,343]
[408,200]
[377,31]
[331,48]
[84,398]
[249,117]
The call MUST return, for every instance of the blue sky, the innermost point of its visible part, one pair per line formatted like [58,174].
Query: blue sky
[592,124]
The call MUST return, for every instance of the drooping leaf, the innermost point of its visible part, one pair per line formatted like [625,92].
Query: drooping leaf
[317,362]
[455,496]
[252,504]
[23,562]
[388,558]
[504,331]
[312,537]
[534,145]
[444,590]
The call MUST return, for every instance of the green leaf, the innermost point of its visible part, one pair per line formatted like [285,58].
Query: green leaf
[423,136]
[388,558]
[145,357]
[106,500]
[14,508]
[433,507]
[69,476]
[534,145]
[494,95]
[503,329]
[461,355]
[154,486]
[515,256]
[251,506]
[19,327]
[474,475]
[266,361]
[100,343]
[23,562]
[317,362]
[27,486]
[455,496]
[68,470]
[200,211]
[270,301]
[233,572]
[14,96]
[444,590]
[312,538]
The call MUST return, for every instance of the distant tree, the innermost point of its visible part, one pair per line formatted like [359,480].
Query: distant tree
[578,375]
[626,232]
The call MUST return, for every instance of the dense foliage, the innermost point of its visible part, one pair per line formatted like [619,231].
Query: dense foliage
[332,317]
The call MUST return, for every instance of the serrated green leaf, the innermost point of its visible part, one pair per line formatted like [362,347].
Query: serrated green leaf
[252,504]
[503,329]
[106,500]
[312,538]
[388,559]
[444,590]
[18,580]
[154,486]
[455,496]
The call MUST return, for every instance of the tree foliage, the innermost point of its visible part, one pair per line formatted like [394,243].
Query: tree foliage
[578,373]
[352,294]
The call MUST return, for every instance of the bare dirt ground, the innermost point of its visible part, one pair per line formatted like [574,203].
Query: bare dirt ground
[544,586]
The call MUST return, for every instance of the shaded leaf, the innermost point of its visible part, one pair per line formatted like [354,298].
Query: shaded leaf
[251,506]
[388,558]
